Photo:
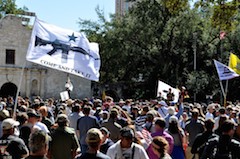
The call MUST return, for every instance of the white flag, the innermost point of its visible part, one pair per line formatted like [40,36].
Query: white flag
[163,88]
[224,72]
[64,50]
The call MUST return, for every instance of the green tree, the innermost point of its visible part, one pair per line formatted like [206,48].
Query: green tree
[224,13]
[9,7]
[155,41]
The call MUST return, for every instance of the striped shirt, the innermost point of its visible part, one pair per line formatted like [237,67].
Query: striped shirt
[140,121]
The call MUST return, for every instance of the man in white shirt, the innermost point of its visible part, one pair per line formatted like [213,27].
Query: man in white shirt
[126,148]
[210,110]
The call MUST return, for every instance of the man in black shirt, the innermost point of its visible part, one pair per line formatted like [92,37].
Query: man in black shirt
[202,138]
[11,146]
[106,141]
[223,146]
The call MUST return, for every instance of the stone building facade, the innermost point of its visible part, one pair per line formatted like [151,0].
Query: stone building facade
[36,80]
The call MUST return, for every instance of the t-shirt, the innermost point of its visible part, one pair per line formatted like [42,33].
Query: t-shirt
[194,127]
[84,124]
[64,141]
[136,151]
[12,147]
[98,155]
[140,121]
[104,147]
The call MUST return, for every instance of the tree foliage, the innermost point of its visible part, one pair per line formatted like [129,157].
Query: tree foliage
[156,39]
[9,7]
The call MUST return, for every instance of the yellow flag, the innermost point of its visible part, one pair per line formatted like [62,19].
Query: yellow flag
[234,63]
[103,95]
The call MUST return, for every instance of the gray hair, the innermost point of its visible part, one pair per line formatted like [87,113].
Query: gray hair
[38,140]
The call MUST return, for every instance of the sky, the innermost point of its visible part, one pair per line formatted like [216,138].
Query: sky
[66,13]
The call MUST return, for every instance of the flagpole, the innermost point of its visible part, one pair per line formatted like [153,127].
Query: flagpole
[20,83]
[18,90]
[226,89]
[224,95]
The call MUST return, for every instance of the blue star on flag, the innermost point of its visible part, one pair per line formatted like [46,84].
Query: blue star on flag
[72,37]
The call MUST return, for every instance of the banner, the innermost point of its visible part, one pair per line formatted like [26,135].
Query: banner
[163,89]
[64,50]
[234,63]
[224,72]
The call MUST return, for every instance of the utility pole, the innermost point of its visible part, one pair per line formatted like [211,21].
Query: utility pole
[194,60]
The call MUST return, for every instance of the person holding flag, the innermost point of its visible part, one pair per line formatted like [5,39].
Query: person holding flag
[69,86]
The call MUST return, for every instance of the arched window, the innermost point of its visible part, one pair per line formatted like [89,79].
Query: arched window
[34,88]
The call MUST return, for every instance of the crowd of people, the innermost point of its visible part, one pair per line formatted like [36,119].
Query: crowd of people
[124,129]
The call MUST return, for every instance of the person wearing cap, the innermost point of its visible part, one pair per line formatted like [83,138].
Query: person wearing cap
[162,108]
[106,141]
[12,146]
[38,145]
[112,125]
[126,148]
[93,139]
[149,123]
[30,125]
[121,103]
[64,143]
[172,112]
[39,124]
[224,145]
[202,138]
[104,115]
[134,112]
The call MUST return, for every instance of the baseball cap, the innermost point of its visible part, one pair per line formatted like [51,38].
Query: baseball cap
[105,130]
[163,103]
[9,123]
[94,135]
[33,113]
[4,114]
[61,118]
[171,110]
[173,119]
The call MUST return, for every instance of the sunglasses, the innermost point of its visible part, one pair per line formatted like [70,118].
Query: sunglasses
[154,147]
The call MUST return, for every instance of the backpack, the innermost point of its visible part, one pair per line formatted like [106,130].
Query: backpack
[222,152]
